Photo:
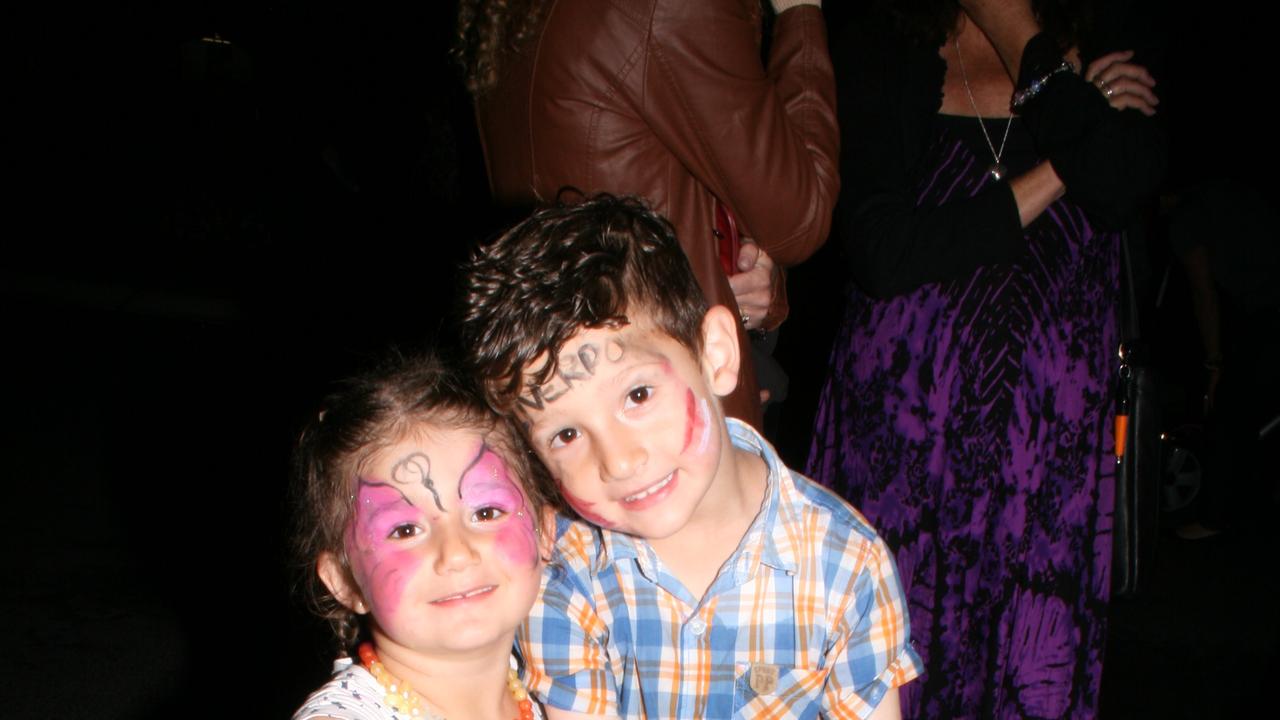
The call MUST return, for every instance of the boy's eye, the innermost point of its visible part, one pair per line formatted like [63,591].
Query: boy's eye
[488,514]
[564,437]
[404,532]
[639,395]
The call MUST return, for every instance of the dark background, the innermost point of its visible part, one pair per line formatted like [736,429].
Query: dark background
[202,235]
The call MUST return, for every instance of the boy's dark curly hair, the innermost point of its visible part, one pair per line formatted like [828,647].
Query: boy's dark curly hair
[566,268]
[364,415]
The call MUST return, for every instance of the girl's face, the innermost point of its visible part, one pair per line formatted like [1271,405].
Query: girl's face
[442,545]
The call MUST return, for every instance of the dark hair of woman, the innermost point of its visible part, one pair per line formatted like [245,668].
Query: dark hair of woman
[487,30]
[930,22]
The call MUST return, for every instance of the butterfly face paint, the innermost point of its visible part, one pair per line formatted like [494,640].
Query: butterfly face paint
[379,544]
[487,486]
[441,545]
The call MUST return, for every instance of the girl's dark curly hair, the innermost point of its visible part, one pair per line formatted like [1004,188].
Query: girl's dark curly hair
[487,31]
[365,414]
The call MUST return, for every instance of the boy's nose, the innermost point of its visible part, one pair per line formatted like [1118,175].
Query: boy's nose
[621,455]
[455,550]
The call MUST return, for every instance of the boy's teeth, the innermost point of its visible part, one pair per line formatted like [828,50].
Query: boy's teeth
[646,493]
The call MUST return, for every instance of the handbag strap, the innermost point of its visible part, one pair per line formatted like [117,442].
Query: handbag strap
[1129,329]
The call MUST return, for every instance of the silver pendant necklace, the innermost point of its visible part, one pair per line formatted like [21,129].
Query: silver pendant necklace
[996,170]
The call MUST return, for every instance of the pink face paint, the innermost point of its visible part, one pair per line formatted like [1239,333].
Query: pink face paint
[487,484]
[697,422]
[382,567]
[583,508]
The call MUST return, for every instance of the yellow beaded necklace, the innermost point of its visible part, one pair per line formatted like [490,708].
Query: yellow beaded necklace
[401,697]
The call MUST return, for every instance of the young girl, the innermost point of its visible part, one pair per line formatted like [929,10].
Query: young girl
[417,517]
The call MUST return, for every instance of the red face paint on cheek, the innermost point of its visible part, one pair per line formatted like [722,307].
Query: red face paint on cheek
[487,484]
[381,566]
[697,424]
[690,418]
[584,508]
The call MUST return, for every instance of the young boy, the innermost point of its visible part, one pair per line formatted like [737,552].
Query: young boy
[712,582]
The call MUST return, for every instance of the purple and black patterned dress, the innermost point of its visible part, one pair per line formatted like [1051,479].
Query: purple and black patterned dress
[970,421]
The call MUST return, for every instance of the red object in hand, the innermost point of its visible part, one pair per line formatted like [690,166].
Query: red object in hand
[726,232]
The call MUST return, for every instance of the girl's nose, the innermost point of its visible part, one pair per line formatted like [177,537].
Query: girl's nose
[455,551]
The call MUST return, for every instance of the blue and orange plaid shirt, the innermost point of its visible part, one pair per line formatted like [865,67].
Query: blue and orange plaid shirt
[806,618]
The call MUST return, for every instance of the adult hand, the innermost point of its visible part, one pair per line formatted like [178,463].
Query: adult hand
[754,286]
[1126,85]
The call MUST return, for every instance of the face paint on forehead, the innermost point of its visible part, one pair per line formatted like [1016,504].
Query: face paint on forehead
[416,469]
[573,366]
[486,481]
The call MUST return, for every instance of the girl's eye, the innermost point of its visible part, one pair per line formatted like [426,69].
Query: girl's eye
[564,437]
[488,514]
[639,395]
[404,532]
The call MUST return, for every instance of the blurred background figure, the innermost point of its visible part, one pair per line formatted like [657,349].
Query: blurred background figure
[970,391]
[674,102]
[1227,239]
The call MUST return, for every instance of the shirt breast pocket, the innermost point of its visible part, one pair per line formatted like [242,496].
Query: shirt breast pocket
[769,692]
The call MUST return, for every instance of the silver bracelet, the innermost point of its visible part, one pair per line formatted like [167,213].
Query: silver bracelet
[1021,97]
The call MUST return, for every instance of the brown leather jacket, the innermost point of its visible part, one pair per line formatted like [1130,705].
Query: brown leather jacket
[669,100]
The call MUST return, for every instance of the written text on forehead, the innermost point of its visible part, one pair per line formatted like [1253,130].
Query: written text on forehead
[571,366]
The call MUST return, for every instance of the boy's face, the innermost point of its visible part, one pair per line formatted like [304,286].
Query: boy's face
[630,427]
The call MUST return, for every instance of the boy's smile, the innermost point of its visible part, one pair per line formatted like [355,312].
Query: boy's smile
[629,427]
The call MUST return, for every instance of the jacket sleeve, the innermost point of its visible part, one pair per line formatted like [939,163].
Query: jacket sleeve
[763,140]
[889,94]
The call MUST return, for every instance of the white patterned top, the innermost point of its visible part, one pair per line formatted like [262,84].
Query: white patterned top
[353,694]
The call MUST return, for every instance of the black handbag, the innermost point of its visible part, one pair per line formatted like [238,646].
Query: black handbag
[1136,526]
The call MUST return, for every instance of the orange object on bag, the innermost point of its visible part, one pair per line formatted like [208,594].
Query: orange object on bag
[1122,434]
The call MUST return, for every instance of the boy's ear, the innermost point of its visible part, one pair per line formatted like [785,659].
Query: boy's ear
[721,354]
[341,586]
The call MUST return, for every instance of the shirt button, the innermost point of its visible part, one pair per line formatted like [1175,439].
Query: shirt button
[697,627]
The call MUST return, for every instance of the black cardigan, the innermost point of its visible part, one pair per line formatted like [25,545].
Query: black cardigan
[889,91]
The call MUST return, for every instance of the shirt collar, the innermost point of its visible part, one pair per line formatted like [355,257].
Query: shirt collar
[766,539]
